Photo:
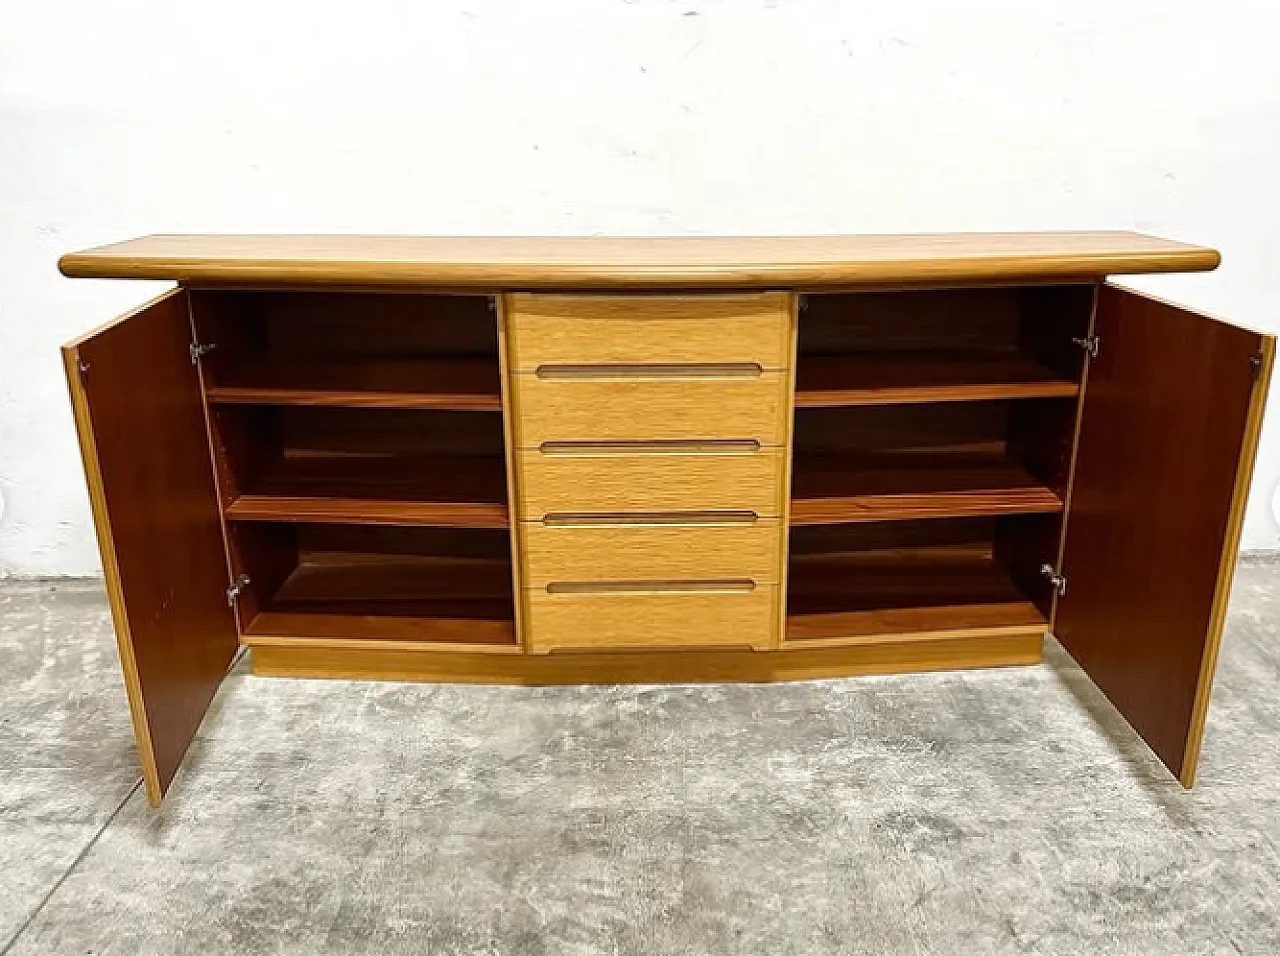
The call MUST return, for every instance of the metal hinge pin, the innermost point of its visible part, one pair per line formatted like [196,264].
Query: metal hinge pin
[236,588]
[1090,343]
[198,351]
[1058,580]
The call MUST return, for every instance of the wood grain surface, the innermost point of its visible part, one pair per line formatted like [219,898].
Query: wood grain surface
[892,487]
[456,491]
[497,263]
[896,378]
[639,408]
[655,617]
[712,549]
[359,660]
[1170,424]
[140,417]
[475,627]
[700,481]
[648,329]
[461,384]
[907,593]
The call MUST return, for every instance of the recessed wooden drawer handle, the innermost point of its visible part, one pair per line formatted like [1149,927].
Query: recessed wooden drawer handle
[725,586]
[642,372]
[678,446]
[641,518]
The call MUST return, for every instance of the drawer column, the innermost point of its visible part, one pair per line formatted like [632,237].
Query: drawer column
[650,453]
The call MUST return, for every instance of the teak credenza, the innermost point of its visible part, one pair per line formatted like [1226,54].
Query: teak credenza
[605,460]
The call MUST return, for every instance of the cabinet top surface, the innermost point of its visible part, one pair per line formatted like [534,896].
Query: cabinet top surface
[496,263]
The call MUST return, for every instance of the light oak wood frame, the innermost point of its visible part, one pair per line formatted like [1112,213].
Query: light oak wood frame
[518,582]
[622,436]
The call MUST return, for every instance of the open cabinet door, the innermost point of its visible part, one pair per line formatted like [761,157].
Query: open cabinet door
[139,413]
[1172,411]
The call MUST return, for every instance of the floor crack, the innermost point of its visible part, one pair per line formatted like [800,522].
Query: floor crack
[69,870]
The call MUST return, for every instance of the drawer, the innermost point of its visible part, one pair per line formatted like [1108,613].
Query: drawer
[622,478]
[648,329]
[649,407]
[662,617]
[686,546]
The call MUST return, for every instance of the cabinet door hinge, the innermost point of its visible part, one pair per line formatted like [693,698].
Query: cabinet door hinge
[198,351]
[236,588]
[1057,579]
[1090,343]
[1255,366]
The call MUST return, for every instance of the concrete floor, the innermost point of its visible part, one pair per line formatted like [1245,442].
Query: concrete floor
[965,813]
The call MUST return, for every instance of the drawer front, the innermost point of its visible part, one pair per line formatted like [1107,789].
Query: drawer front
[648,329]
[551,409]
[611,483]
[720,547]
[659,618]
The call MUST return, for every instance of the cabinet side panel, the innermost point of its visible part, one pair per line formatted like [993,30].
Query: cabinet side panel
[139,413]
[793,305]
[502,306]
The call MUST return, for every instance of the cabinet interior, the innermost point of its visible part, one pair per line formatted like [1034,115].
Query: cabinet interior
[349,349]
[932,448]
[359,450]
[402,583]
[358,444]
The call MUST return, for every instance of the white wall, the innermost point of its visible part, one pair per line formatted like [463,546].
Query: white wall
[604,116]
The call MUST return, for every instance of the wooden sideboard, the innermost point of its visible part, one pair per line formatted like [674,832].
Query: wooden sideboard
[605,460]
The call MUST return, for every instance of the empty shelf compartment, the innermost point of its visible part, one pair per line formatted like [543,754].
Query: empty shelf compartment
[348,349]
[884,486]
[888,378]
[465,384]
[451,492]
[333,582]
[901,462]
[362,466]
[907,581]
[941,346]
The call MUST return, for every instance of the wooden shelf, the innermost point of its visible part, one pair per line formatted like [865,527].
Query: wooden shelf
[832,489]
[466,603]
[453,491]
[910,376]
[459,384]
[921,594]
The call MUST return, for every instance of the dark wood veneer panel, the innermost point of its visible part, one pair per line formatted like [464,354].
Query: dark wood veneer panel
[433,585]
[138,409]
[1169,420]
[887,378]
[459,384]
[844,595]
[897,486]
[473,623]
[454,492]
[349,349]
